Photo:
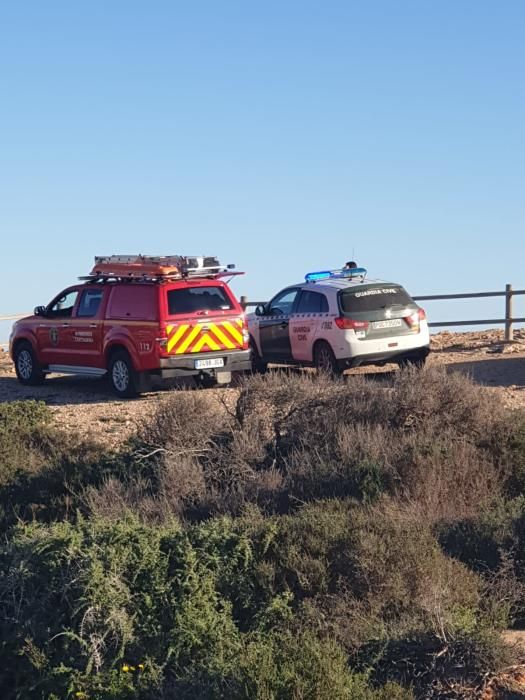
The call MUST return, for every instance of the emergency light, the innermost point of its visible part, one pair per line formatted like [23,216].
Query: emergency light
[344,273]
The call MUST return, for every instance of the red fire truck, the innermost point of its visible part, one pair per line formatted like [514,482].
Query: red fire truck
[136,318]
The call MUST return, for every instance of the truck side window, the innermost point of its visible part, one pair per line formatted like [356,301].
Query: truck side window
[89,303]
[63,306]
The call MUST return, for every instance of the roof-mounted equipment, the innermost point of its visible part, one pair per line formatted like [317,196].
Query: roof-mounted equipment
[158,268]
[344,273]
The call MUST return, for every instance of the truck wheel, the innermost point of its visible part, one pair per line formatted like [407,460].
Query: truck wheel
[122,376]
[28,371]
[324,359]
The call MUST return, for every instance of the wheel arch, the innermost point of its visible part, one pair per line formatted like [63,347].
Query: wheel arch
[25,339]
[255,343]
[121,346]
[319,341]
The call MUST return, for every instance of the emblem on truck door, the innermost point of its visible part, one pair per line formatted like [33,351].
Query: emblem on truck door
[53,335]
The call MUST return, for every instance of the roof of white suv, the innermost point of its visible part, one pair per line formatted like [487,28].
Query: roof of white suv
[339,283]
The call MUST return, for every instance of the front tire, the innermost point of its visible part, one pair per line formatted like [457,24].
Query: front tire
[122,376]
[258,364]
[27,367]
[324,359]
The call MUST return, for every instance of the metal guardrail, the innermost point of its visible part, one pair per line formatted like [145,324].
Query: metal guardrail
[509,293]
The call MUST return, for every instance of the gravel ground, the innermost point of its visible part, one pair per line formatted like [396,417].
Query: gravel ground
[87,405]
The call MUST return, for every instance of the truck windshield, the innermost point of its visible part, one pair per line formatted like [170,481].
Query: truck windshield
[189,300]
[374,298]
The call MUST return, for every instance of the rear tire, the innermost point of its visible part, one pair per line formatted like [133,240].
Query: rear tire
[418,362]
[27,368]
[122,376]
[324,359]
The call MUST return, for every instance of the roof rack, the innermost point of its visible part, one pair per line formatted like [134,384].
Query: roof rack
[343,273]
[157,268]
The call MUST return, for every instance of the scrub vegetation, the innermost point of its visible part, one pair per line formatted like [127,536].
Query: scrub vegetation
[360,539]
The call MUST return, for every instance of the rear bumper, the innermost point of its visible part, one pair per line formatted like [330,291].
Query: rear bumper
[380,358]
[184,365]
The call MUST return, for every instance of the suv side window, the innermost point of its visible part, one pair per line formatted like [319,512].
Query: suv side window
[283,303]
[89,303]
[63,306]
[312,303]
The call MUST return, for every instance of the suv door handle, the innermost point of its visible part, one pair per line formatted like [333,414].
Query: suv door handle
[65,325]
[93,325]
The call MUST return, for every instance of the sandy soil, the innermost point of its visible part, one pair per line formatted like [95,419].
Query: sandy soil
[88,406]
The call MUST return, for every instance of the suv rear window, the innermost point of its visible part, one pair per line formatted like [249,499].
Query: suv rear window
[373,298]
[189,300]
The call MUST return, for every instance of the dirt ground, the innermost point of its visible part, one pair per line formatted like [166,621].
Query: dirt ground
[87,405]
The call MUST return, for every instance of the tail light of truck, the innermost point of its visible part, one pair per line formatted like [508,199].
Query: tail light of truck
[350,324]
[245,338]
[162,340]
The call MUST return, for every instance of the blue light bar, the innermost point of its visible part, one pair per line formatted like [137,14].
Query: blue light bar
[315,276]
[344,273]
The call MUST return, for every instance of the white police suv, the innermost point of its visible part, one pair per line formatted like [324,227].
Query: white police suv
[338,319]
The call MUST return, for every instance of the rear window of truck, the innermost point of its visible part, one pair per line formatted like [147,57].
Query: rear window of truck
[373,298]
[188,300]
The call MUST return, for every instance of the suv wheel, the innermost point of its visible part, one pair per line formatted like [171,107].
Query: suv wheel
[122,376]
[416,361]
[28,371]
[324,359]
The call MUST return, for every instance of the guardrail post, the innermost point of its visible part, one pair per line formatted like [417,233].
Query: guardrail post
[243,300]
[509,332]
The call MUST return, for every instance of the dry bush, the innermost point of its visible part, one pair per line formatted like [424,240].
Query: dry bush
[183,423]
[426,437]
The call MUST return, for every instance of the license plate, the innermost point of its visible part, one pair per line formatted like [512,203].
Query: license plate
[209,363]
[392,323]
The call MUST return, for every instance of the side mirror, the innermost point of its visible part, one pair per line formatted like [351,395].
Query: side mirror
[260,310]
[40,311]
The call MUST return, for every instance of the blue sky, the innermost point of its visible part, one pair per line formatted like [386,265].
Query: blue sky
[282,136]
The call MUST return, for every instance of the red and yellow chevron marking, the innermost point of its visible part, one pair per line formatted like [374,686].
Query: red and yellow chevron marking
[203,337]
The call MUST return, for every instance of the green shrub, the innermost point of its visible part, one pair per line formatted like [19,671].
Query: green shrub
[22,436]
[481,541]
[283,666]
[117,610]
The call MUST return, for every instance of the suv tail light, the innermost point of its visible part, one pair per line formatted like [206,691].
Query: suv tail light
[351,324]
[415,318]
